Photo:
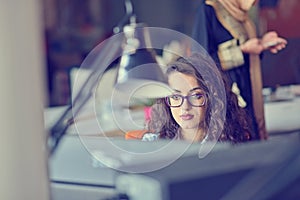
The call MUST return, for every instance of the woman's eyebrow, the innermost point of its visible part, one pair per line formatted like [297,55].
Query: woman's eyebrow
[196,88]
[177,91]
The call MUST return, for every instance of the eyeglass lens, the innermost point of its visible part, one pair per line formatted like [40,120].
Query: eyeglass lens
[176,100]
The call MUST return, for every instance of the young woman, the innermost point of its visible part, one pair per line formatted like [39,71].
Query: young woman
[202,106]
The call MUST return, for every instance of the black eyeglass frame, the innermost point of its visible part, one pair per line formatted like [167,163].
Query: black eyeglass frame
[188,100]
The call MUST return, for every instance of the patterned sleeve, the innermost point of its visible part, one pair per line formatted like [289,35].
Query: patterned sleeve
[230,54]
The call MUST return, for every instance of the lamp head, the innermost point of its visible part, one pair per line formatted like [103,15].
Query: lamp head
[139,73]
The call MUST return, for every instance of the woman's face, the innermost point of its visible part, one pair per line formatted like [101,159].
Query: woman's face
[187,116]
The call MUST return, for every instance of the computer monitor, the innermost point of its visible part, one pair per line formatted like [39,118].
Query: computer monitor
[257,170]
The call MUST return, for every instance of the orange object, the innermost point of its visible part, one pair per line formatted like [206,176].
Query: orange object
[135,134]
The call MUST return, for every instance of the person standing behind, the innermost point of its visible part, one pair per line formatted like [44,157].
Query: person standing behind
[225,30]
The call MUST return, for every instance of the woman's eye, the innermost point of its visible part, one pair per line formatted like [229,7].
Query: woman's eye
[197,96]
[175,97]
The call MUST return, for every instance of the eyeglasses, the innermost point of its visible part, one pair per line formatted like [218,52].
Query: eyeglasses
[176,100]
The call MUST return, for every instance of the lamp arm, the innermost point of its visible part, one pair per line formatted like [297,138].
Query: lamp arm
[110,50]
[127,18]
[128,7]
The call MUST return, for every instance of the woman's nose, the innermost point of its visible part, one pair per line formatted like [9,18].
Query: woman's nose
[186,105]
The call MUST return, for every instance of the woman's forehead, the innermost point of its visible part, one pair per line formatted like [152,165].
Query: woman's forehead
[182,82]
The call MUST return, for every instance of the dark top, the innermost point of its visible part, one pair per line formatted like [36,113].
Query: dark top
[210,33]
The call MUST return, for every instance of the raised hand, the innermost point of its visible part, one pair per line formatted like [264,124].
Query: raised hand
[271,41]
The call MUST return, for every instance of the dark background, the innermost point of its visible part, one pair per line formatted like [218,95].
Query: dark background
[74,27]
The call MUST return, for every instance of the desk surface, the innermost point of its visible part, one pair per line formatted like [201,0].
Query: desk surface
[282,116]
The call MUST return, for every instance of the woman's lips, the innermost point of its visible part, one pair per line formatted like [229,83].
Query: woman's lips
[186,117]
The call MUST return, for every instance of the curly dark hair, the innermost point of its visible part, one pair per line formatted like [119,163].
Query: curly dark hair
[224,120]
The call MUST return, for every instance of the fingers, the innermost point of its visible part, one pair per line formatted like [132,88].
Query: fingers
[276,48]
[274,44]
[273,50]
[272,34]
[283,41]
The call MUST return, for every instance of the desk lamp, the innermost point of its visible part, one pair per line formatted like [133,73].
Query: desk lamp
[138,69]
[138,72]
